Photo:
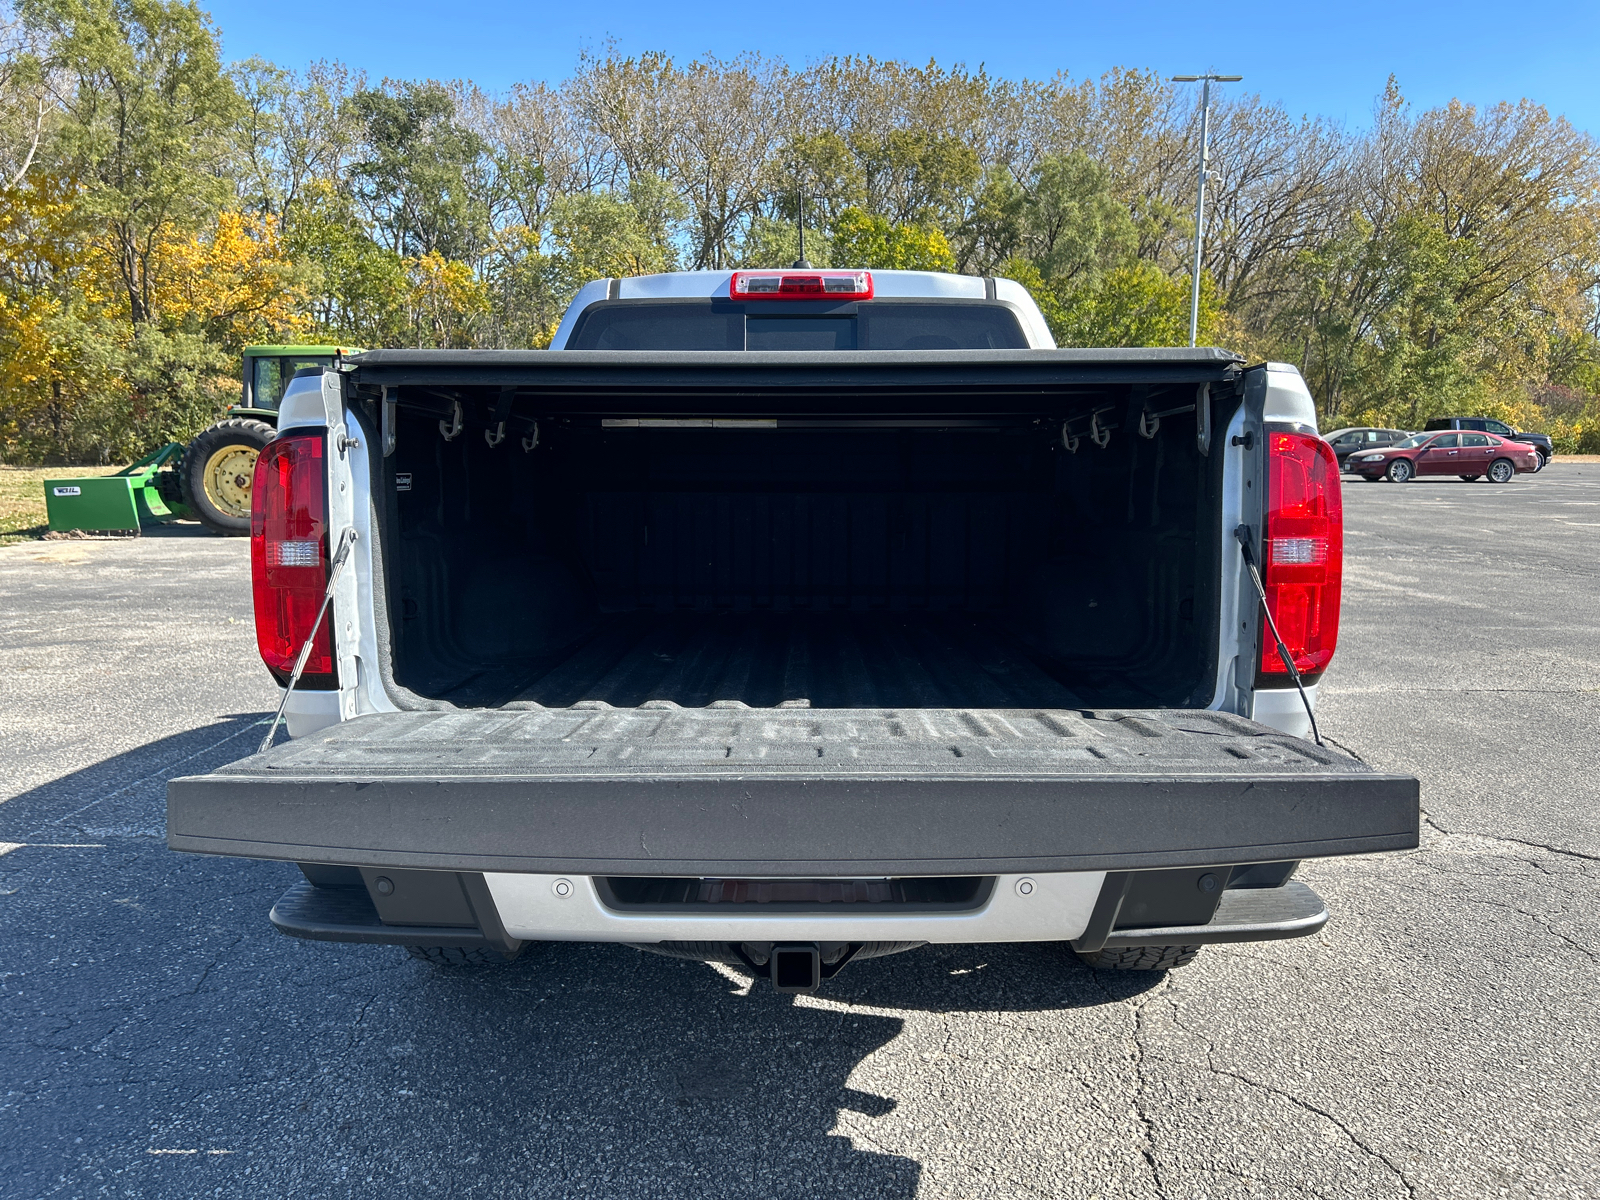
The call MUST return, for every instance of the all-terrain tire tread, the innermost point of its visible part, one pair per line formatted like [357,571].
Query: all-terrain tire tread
[1141,958]
[457,956]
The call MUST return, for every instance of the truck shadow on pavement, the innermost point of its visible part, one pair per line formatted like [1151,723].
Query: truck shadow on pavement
[126,793]
[166,1041]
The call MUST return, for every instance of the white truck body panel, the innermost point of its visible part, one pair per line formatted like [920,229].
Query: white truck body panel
[918,285]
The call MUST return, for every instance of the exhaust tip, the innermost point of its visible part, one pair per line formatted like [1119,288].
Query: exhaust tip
[795,969]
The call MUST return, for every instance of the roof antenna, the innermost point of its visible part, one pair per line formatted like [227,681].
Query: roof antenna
[800,216]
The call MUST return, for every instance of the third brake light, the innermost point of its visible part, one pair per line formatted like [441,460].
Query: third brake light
[799,284]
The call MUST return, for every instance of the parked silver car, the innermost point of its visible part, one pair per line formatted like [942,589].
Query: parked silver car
[1349,442]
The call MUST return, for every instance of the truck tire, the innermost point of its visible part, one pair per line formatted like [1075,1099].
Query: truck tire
[217,471]
[1141,958]
[457,956]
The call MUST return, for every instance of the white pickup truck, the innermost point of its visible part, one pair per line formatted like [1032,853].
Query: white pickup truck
[781,618]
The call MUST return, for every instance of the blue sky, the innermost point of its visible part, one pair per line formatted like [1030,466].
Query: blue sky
[1329,59]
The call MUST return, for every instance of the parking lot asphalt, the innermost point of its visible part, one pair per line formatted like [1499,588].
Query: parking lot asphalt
[1437,1039]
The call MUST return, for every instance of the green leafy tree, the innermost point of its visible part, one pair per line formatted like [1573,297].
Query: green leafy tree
[418,179]
[775,243]
[1136,305]
[358,286]
[860,239]
[605,236]
[149,127]
[1074,229]
[825,170]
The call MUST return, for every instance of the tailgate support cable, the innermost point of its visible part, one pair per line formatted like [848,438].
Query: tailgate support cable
[340,557]
[1242,533]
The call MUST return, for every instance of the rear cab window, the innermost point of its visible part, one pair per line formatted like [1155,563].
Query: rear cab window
[707,324]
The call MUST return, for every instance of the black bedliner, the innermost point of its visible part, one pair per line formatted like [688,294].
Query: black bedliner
[831,660]
[734,791]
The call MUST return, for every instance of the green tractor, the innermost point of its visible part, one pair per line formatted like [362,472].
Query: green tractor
[209,478]
[214,474]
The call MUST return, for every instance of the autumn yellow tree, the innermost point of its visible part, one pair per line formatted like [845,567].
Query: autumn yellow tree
[232,281]
[445,299]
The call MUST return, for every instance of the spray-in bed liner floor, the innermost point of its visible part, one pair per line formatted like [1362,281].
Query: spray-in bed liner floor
[844,660]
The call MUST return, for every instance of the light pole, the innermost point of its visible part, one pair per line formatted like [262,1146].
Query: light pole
[1200,200]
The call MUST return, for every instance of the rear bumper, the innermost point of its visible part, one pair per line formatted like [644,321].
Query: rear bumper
[1053,908]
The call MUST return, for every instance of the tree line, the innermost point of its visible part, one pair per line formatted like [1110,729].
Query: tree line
[162,208]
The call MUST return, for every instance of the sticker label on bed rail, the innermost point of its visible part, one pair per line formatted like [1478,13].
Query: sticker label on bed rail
[68,491]
[402,481]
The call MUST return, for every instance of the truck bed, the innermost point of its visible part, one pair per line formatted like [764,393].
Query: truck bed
[835,660]
[731,791]
[767,527]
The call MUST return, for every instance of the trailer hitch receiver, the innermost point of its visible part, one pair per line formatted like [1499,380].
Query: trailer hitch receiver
[796,969]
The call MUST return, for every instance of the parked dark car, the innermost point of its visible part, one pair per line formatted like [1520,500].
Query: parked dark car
[1538,441]
[1467,455]
[1346,442]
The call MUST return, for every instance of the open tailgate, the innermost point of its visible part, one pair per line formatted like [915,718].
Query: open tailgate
[736,791]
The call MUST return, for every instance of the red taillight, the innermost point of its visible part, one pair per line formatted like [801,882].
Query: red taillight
[289,557]
[1303,551]
[800,285]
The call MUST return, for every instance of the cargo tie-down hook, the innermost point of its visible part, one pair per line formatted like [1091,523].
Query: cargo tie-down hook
[532,440]
[1149,423]
[1098,434]
[453,430]
[1068,438]
[498,418]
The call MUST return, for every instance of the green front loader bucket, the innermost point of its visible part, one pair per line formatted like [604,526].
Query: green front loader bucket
[124,502]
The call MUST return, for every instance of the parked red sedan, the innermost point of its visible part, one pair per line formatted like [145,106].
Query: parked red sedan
[1466,455]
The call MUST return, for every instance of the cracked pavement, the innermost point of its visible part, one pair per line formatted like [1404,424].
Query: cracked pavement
[1435,1040]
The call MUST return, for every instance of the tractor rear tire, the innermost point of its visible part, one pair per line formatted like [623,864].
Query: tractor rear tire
[217,470]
